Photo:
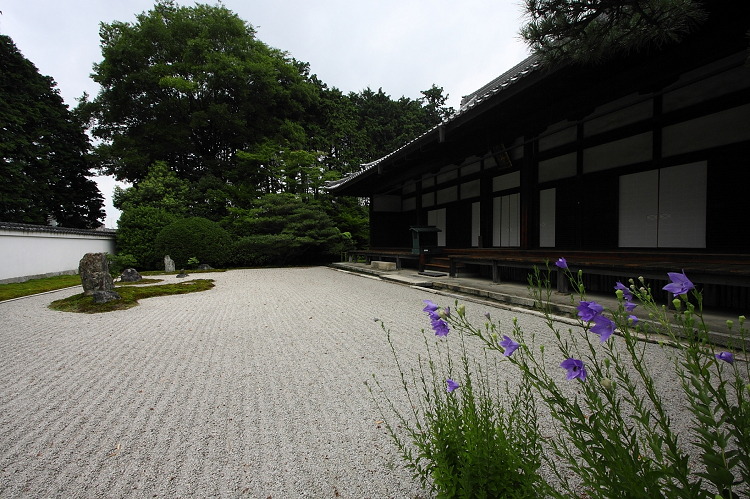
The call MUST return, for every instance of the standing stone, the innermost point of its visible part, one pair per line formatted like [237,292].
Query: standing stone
[94,271]
[105,296]
[168,264]
[130,275]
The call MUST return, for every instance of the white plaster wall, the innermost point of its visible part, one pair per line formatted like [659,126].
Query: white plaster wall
[26,254]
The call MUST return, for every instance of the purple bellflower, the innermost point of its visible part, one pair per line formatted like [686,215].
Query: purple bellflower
[431,307]
[633,319]
[587,310]
[680,284]
[509,346]
[562,263]
[487,314]
[629,306]
[603,326]
[726,357]
[440,327]
[575,369]
[452,385]
[626,293]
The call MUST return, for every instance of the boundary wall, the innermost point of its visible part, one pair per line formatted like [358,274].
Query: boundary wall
[34,251]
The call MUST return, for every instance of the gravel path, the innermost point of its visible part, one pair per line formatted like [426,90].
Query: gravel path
[255,388]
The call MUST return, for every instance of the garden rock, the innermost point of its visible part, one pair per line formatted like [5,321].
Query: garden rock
[182,274]
[106,296]
[205,266]
[94,271]
[168,264]
[130,275]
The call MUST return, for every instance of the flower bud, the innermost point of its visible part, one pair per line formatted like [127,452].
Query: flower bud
[631,281]
[730,324]
[461,310]
[619,294]
[742,319]
[661,343]
[487,314]
[677,304]
[607,383]
[640,278]
[606,362]
[442,314]
[642,290]
[541,348]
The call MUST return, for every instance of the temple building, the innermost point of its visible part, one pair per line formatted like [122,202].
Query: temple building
[638,164]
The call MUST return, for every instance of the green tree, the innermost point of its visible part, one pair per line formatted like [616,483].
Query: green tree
[157,201]
[190,86]
[43,150]
[283,229]
[137,229]
[592,30]
[161,188]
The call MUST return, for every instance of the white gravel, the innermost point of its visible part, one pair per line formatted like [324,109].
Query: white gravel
[255,388]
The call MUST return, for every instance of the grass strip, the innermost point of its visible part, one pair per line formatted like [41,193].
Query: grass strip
[34,286]
[130,296]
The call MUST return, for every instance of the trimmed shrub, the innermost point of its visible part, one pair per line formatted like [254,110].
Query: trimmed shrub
[283,229]
[264,249]
[194,237]
[137,229]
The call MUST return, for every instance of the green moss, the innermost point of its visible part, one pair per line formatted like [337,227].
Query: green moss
[136,283]
[34,286]
[130,296]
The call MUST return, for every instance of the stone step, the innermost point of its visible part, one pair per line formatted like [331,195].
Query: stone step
[383,265]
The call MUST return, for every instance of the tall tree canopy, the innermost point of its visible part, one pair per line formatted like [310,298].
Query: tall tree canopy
[191,86]
[591,30]
[198,113]
[43,150]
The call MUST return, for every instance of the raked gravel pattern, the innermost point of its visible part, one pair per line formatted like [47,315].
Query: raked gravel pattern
[256,388]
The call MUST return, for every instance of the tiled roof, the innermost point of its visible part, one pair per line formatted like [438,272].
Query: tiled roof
[468,102]
[56,230]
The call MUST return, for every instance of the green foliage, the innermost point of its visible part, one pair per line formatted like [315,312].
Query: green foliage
[283,229]
[273,168]
[43,150]
[202,117]
[589,31]
[265,249]
[120,262]
[190,86]
[197,238]
[614,434]
[129,296]
[464,444]
[137,229]
[161,188]
[147,207]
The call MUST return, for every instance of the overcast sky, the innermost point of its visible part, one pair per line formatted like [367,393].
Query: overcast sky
[401,46]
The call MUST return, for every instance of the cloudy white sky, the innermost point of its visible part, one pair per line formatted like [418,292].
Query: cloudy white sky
[401,46]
